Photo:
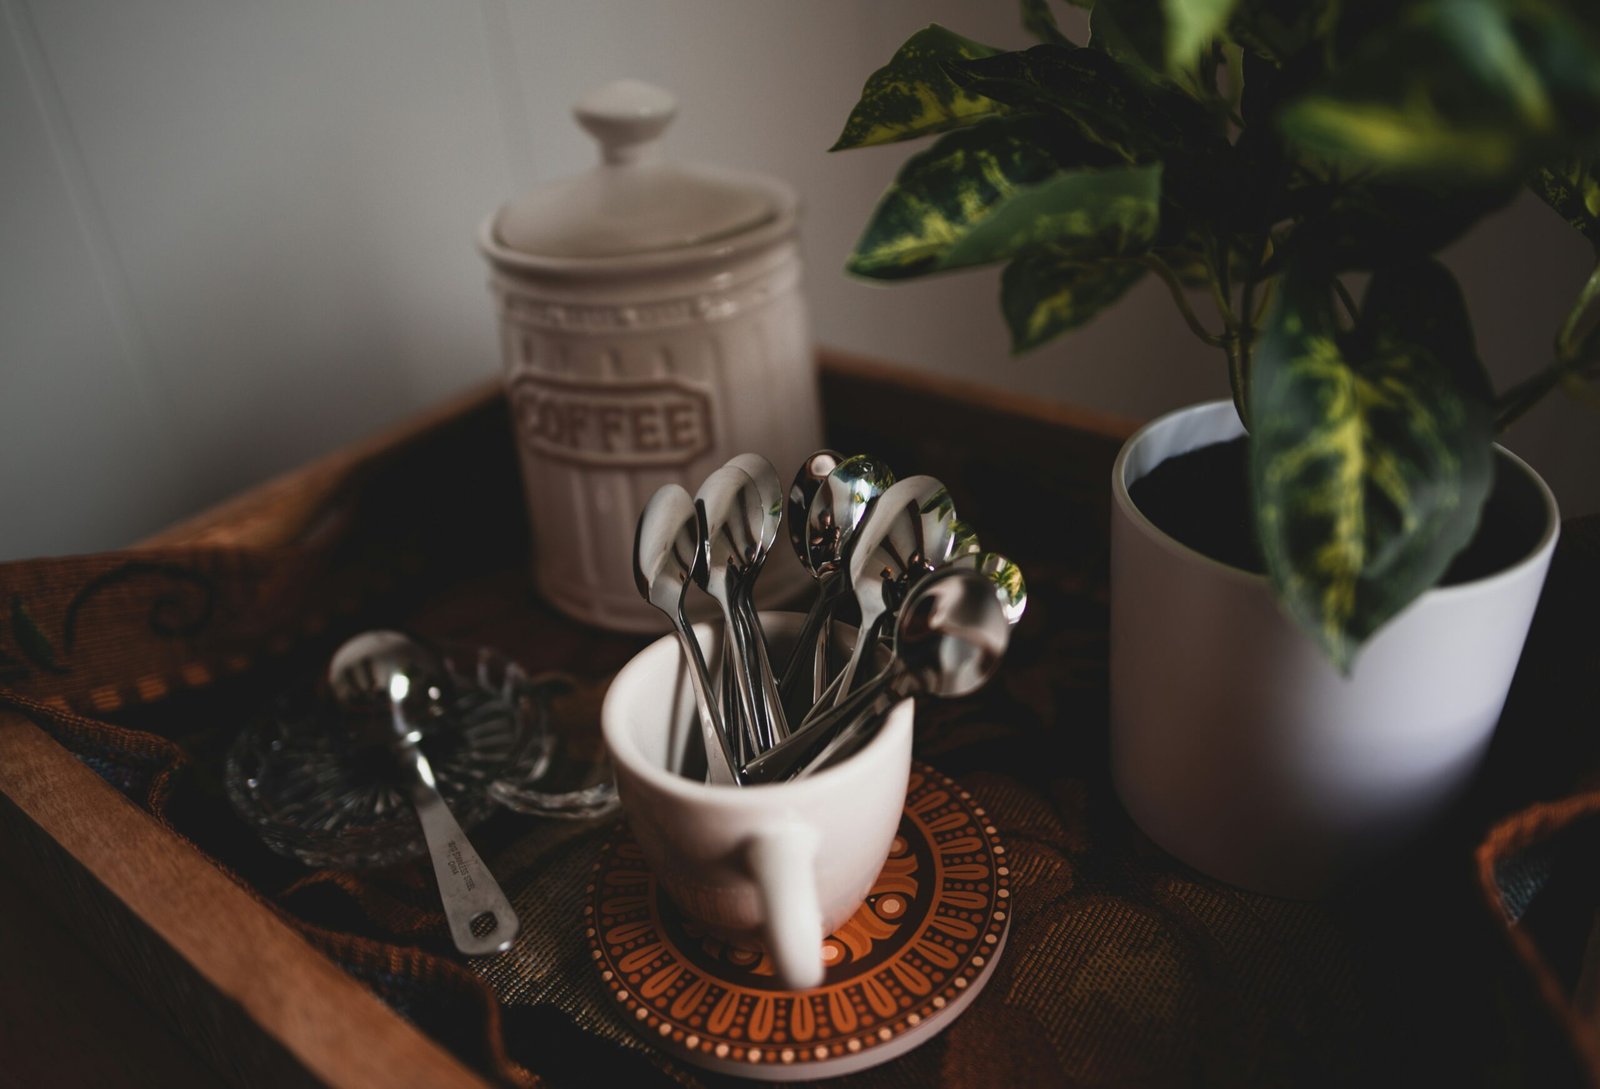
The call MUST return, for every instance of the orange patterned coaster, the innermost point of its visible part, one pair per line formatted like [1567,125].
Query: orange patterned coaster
[902,969]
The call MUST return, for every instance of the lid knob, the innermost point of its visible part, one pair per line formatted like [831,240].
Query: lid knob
[627,117]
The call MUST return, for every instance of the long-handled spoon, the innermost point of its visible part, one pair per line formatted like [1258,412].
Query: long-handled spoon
[908,534]
[950,637]
[808,481]
[1006,577]
[666,549]
[729,506]
[387,685]
[964,540]
[828,527]
[770,490]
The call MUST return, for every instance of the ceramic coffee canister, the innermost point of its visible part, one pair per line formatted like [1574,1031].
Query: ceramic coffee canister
[652,326]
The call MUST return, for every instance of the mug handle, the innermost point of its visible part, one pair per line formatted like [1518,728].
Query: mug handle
[783,864]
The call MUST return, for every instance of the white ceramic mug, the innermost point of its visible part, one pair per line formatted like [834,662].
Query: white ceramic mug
[784,862]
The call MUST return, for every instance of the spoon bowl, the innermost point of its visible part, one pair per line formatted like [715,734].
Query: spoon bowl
[808,481]
[908,534]
[666,548]
[952,634]
[769,705]
[389,686]
[1005,576]
[836,511]
[666,558]
[389,666]
[828,526]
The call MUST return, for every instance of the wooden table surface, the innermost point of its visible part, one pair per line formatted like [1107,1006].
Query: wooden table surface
[65,1020]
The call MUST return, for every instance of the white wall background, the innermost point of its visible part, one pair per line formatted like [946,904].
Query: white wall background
[237,234]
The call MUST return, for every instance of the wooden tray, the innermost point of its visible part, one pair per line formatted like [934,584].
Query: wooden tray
[218,965]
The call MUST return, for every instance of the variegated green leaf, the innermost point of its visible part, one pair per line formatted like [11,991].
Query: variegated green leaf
[1370,449]
[1040,21]
[1044,294]
[1113,105]
[1363,133]
[1188,263]
[913,95]
[1083,213]
[1109,103]
[1166,35]
[1373,222]
[1572,188]
[1451,90]
[1107,35]
[941,194]
[1191,27]
[1278,29]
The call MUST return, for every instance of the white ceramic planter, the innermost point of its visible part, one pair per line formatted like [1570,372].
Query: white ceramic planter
[1237,747]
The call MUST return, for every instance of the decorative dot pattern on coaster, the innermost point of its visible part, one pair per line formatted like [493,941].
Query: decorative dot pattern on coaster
[897,972]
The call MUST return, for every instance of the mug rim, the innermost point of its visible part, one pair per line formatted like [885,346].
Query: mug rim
[625,753]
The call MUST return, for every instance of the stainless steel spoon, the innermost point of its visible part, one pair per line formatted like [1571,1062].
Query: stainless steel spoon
[964,540]
[388,686]
[666,550]
[808,481]
[1006,577]
[769,705]
[950,637]
[829,526]
[907,535]
[729,507]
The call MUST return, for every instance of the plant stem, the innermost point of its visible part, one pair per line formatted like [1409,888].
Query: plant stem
[1220,289]
[1569,328]
[1511,404]
[1175,286]
[1577,388]
[1239,378]
[1566,367]
[1344,297]
[1266,300]
[1241,339]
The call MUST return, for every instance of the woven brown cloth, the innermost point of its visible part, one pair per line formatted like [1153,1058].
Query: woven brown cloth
[1122,967]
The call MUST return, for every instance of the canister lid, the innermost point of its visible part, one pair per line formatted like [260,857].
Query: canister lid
[635,201]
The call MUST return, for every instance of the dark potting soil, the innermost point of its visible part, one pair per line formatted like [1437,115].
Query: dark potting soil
[1202,498]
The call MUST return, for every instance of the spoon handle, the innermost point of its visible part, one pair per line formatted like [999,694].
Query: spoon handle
[771,722]
[821,655]
[866,639]
[728,699]
[794,754]
[720,760]
[796,688]
[858,728]
[481,919]
[737,676]
[837,691]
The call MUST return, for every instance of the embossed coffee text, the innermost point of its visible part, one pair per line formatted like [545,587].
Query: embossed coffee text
[621,424]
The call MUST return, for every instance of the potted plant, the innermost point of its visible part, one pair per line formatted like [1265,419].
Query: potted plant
[1320,597]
